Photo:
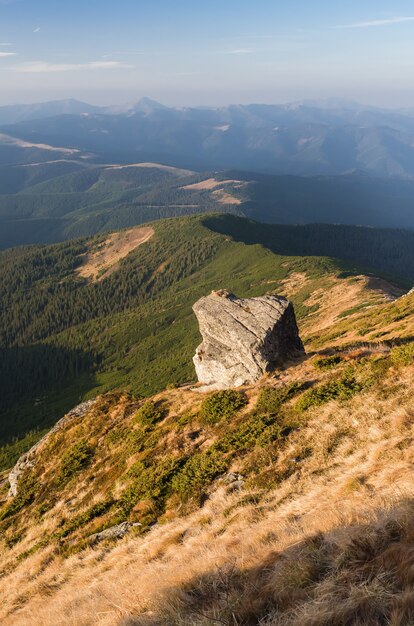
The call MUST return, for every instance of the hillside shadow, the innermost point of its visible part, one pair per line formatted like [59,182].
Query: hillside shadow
[385,252]
[352,576]
[40,383]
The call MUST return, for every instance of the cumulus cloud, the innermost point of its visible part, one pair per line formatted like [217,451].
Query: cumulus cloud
[387,22]
[37,67]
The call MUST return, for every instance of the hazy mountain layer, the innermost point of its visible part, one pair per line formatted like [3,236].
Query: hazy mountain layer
[300,139]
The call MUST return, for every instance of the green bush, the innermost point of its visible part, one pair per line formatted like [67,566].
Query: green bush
[256,430]
[82,519]
[376,370]
[222,404]
[198,473]
[340,389]
[151,482]
[403,355]
[150,413]
[326,363]
[77,458]
[271,398]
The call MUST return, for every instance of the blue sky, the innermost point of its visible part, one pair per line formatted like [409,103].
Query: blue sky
[207,51]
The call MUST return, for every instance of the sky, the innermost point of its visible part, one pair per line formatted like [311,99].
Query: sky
[207,52]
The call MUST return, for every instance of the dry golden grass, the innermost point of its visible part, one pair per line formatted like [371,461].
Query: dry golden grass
[321,534]
[235,554]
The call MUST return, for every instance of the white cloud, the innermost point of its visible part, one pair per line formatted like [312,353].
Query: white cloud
[38,67]
[238,51]
[37,30]
[7,54]
[372,23]
[6,44]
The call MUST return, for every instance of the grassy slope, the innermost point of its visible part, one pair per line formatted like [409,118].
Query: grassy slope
[149,343]
[143,348]
[316,535]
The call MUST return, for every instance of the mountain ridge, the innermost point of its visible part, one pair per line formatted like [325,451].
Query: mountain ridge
[300,138]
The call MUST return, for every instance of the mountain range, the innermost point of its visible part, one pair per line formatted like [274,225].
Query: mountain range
[306,138]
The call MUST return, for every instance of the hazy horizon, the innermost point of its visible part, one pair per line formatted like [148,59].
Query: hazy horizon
[191,54]
[327,102]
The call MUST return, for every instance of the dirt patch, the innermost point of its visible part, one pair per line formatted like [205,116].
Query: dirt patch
[20,143]
[104,260]
[225,198]
[211,183]
[159,166]
[293,284]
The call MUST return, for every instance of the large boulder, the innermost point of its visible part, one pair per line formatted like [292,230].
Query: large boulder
[243,338]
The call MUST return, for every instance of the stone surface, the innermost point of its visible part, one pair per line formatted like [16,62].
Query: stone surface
[115,532]
[27,460]
[243,338]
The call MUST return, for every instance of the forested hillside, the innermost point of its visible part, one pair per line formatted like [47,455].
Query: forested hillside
[64,337]
[56,201]
[288,501]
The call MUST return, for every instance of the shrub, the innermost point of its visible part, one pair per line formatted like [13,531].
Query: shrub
[84,518]
[199,471]
[150,482]
[222,404]
[376,371]
[257,430]
[271,398]
[326,363]
[74,461]
[340,389]
[403,355]
[150,413]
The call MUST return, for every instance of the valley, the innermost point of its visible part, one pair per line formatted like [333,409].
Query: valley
[86,170]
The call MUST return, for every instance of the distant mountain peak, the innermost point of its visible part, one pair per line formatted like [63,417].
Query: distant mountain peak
[147,105]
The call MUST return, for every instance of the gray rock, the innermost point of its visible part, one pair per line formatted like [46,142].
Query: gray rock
[27,460]
[231,478]
[243,338]
[237,485]
[115,532]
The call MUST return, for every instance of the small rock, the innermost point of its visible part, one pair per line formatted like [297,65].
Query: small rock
[115,532]
[236,486]
[232,477]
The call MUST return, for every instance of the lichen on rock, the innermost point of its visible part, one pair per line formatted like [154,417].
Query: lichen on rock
[243,338]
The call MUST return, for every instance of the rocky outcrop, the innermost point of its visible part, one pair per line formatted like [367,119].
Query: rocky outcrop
[243,338]
[27,460]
